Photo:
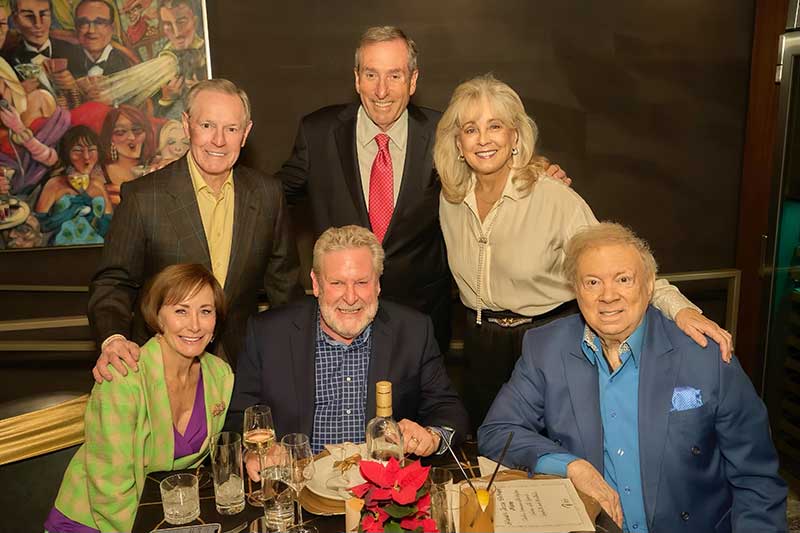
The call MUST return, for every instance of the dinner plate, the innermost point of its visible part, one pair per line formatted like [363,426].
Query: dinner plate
[329,482]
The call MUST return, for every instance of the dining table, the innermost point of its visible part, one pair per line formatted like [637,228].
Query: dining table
[150,514]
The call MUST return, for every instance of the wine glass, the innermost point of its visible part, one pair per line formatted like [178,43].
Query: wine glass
[259,436]
[302,467]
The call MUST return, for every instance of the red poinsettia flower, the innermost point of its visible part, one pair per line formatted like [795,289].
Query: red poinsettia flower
[391,481]
[424,506]
[428,525]
[373,520]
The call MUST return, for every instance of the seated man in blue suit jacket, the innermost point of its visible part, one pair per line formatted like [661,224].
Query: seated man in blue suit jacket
[663,433]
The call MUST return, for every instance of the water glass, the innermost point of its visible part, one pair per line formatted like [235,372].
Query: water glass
[226,462]
[278,514]
[476,513]
[181,498]
[441,482]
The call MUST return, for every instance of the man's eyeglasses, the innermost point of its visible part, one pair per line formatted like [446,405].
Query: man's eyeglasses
[82,23]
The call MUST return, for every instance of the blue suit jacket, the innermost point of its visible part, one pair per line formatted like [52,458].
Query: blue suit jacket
[707,469]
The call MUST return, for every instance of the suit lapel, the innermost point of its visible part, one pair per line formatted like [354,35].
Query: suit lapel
[380,358]
[418,165]
[184,214]
[245,217]
[302,346]
[345,135]
[659,370]
[584,392]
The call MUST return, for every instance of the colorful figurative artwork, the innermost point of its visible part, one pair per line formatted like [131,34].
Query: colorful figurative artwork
[91,96]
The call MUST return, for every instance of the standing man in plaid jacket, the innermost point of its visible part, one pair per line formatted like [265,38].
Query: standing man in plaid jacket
[203,208]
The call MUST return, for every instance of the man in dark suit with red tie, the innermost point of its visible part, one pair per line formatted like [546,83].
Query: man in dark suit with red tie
[370,164]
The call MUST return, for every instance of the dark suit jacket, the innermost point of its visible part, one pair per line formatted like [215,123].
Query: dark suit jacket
[60,49]
[324,166]
[158,224]
[80,64]
[277,369]
[708,469]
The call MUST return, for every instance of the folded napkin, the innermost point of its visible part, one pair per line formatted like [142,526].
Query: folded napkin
[487,466]
[344,473]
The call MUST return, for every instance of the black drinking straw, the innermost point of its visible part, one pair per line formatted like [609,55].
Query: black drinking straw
[500,460]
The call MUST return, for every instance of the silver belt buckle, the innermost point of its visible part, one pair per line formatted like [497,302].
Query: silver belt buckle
[510,322]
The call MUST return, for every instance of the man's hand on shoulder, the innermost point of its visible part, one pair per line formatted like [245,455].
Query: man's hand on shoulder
[588,480]
[697,327]
[555,171]
[417,439]
[119,353]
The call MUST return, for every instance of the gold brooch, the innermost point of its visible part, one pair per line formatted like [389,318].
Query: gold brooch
[218,409]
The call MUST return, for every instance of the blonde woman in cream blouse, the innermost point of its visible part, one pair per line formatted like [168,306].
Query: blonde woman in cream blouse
[505,222]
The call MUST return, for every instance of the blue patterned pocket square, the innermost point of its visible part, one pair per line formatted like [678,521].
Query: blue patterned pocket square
[685,398]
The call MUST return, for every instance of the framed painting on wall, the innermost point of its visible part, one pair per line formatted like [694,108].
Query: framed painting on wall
[91,96]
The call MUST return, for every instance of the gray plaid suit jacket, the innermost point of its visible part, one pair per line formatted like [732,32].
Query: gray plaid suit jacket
[158,224]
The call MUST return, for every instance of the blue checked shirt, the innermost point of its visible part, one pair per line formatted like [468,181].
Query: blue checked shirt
[340,401]
[619,411]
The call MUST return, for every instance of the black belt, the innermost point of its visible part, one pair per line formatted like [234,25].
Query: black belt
[509,319]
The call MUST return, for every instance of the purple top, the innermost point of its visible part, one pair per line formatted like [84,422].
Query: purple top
[190,442]
[196,431]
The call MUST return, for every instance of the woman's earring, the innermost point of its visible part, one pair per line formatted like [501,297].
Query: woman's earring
[514,151]
[114,153]
[461,157]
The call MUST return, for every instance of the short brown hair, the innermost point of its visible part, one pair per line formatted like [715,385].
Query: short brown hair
[173,285]
[382,34]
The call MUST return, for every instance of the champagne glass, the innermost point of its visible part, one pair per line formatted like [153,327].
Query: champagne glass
[259,436]
[302,467]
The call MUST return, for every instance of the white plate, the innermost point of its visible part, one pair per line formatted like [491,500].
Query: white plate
[328,481]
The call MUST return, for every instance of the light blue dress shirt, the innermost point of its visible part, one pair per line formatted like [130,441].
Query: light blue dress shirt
[619,412]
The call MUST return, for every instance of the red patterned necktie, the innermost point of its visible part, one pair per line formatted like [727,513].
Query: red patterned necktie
[381,188]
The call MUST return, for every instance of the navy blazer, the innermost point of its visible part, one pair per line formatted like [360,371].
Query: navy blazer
[708,469]
[277,369]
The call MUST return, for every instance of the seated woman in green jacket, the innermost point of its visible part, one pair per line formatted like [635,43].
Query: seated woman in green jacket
[160,418]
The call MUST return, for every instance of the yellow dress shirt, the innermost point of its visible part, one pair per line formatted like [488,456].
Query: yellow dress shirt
[216,212]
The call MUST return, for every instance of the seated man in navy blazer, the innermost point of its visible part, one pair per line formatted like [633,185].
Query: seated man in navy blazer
[663,433]
[316,362]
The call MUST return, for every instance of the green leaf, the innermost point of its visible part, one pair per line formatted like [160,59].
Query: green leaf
[390,526]
[400,511]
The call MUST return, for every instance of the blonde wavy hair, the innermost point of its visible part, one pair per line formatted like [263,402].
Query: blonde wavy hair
[507,107]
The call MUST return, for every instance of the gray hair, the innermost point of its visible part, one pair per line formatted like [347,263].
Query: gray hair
[603,234]
[218,85]
[507,107]
[348,238]
[382,34]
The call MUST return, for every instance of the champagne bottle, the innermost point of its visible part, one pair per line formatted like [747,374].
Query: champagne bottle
[384,439]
